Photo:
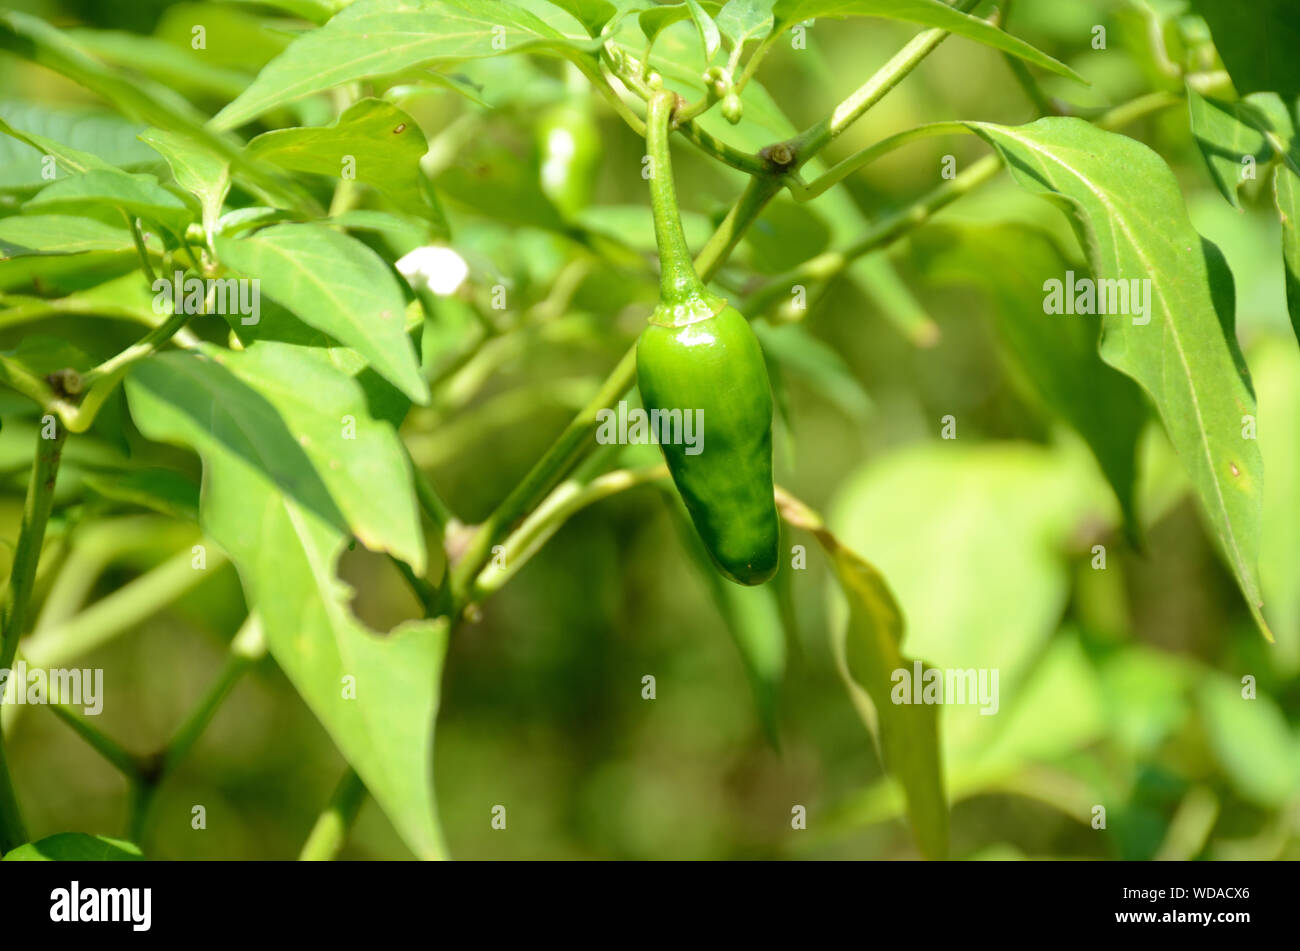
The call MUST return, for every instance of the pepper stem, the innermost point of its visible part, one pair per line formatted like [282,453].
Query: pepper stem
[679,284]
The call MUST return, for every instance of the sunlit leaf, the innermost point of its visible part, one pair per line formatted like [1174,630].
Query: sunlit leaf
[1124,203]
[76,847]
[382,37]
[271,499]
[336,284]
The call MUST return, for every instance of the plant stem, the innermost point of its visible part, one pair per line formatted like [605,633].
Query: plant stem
[431,502]
[543,522]
[121,610]
[12,831]
[711,145]
[1139,108]
[142,348]
[100,742]
[706,142]
[758,192]
[678,281]
[848,166]
[831,264]
[17,600]
[246,649]
[755,58]
[815,138]
[327,835]
[27,554]
[558,460]
[134,224]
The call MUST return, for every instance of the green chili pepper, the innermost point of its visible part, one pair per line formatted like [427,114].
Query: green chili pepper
[568,146]
[699,356]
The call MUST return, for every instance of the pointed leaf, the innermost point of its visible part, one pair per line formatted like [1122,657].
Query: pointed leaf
[196,168]
[743,20]
[91,192]
[76,847]
[708,29]
[868,653]
[1227,133]
[1126,208]
[271,499]
[382,37]
[373,140]
[338,285]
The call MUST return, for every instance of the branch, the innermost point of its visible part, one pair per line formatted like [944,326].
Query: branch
[829,265]
[100,742]
[816,137]
[567,499]
[332,825]
[17,600]
[246,649]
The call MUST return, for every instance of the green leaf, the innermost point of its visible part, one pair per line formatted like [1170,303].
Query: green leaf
[1228,132]
[381,37]
[373,141]
[317,11]
[657,19]
[67,159]
[1053,357]
[139,195]
[1124,203]
[1259,126]
[59,234]
[1257,44]
[592,14]
[707,28]
[272,498]
[868,653]
[491,179]
[931,13]
[743,20]
[76,847]
[137,97]
[88,133]
[196,168]
[236,39]
[162,490]
[179,67]
[336,284]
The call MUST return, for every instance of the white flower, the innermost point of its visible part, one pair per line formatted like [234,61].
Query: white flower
[440,269]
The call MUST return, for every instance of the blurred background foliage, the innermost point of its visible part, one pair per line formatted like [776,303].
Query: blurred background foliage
[1119,687]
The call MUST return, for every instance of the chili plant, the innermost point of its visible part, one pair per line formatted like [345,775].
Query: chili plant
[272,281]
